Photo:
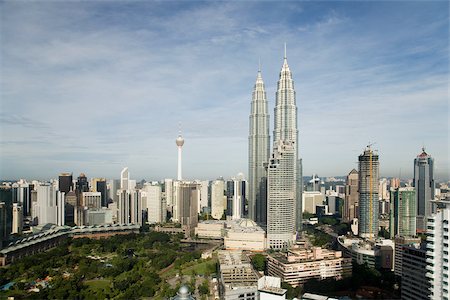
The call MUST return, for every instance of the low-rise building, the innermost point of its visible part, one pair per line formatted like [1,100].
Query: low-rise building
[244,234]
[238,279]
[269,288]
[299,265]
[377,254]
[210,229]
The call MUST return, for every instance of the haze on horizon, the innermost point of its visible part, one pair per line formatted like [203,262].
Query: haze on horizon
[95,86]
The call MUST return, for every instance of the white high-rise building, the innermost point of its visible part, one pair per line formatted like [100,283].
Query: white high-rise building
[124,179]
[175,196]
[258,153]
[17,219]
[168,190]
[281,199]
[155,211]
[204,185]
[438,264]
[218,199]
[383,193]
[49,207]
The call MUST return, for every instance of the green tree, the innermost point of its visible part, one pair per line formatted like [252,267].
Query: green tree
[291,291]
[329,221]
[203,288]
[259,262]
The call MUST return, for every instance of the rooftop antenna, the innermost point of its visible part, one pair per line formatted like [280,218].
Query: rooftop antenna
[285,56]
[259,64]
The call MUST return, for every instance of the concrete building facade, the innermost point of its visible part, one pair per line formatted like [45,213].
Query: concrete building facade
[302,264]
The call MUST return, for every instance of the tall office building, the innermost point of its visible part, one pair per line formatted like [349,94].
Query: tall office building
[424,184]
[285,130]
[403,212]
[368,194]
[69,208]
[82,184]
[351,196]
[281,198]
[91,200]
[129,207]
[65,183]
[124,179]
[168,190]
[203,205]
[239,196]
[438,265]
[49,207]
[258,153]
[99,185]
[229,193]
[400,243]
[187,206]
[383,192]
[415,285]
[5,214]
[155,210]
[17,220]
[21,193]
[112,187]
[218,199]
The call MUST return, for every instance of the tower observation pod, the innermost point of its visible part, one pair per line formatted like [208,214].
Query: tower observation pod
[180,142]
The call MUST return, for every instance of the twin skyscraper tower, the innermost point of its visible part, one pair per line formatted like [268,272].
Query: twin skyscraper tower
[275,178]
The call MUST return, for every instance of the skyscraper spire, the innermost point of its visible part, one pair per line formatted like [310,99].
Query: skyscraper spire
[258,151]
[285,107]
[285,56]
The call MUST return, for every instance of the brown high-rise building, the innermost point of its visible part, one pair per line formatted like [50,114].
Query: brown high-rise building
[351,197]
[187,206]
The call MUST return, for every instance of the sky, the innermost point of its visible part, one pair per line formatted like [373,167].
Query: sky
[93,87]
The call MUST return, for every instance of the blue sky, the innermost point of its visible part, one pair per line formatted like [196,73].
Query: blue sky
[95,86]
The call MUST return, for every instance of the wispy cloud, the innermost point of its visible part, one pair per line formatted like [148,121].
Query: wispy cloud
[105,84]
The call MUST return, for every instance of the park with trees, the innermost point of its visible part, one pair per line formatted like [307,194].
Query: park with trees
[121,267]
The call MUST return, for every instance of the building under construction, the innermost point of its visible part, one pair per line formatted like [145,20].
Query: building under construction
[368,194]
